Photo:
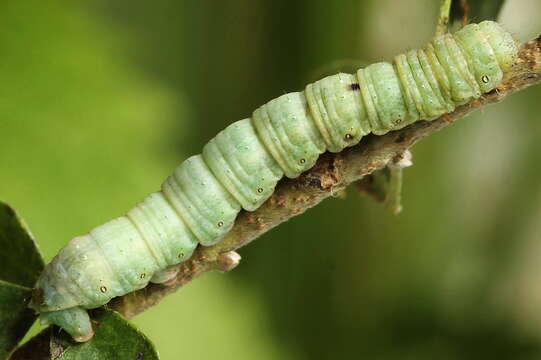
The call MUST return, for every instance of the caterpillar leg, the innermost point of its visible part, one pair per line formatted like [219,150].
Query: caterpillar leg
[74,320]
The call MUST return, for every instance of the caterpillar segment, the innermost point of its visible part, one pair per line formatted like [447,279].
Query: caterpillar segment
[240,167]
[337,110]
[201,201]
[240,162]
[286,128]
[167,237]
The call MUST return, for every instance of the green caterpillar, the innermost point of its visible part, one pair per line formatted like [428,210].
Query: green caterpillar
[240,167]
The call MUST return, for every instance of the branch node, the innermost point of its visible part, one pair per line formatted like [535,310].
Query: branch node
[402,160]
[227,261]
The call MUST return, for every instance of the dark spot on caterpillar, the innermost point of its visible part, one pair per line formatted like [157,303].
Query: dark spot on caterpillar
[142,276]
[302,161]
[220,223]
[348,137]
[260,190]
[139,356]
[485,79]
[180,255]
[398,121]
[103,289]
[354,87]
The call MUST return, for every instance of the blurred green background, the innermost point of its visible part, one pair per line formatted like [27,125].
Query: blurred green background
[100,100]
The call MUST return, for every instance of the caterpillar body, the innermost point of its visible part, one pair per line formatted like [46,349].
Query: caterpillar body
[240,167]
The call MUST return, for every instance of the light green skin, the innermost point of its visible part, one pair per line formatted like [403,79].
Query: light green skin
[288,132]
[199,199]
[339,115]
[241,166]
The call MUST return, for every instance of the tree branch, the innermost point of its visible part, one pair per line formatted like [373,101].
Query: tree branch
[332,173]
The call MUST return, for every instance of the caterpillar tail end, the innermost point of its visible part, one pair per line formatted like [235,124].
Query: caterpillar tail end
[75,321]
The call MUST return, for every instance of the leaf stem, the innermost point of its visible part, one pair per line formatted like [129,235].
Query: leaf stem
[443,18]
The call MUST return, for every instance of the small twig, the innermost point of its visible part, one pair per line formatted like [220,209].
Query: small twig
[443,18]
[333,172]
[466,11]
[465,8]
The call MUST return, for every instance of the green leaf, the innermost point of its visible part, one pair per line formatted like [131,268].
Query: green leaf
[15,316]
[115,338]
[37,348]
[21,262]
